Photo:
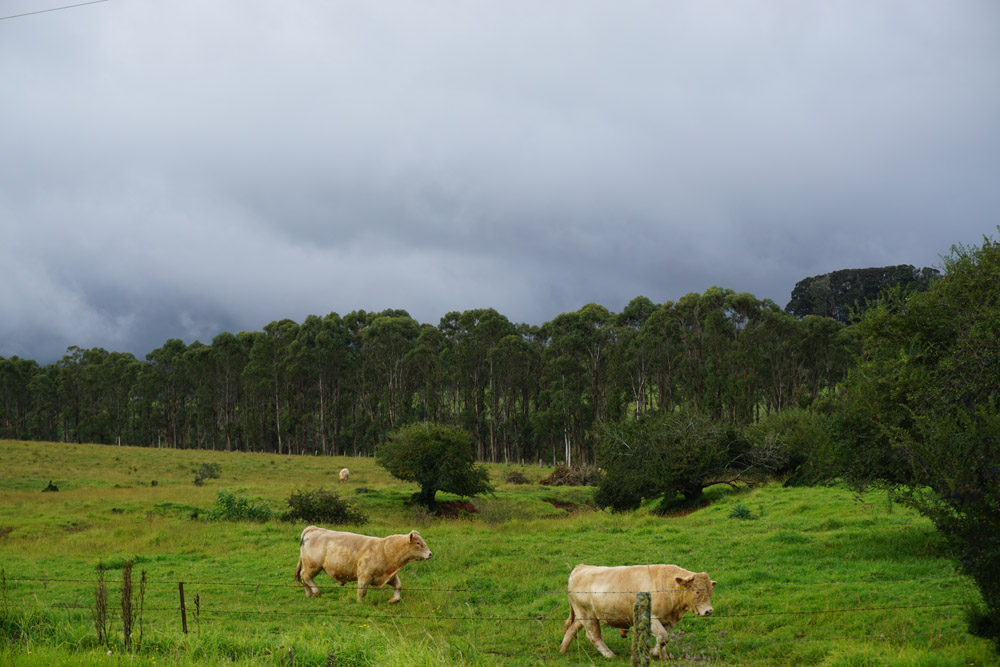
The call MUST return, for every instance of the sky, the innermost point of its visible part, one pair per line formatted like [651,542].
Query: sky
[176,169]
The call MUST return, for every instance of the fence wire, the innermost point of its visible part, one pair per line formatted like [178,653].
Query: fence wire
[201,610]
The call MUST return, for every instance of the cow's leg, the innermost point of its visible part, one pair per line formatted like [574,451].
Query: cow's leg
[309,570]
[362,587]
[593,628]
[397,586]
[573,626]
[660,632]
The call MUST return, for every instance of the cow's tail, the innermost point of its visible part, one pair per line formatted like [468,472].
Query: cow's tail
[570,620]
[298,571]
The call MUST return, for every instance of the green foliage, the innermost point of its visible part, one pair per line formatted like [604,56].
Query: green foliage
[207,471]
[920,413]
[517,477]
[801,440]
[680,452]
[741,511]
[322,506]
[438,458]
[229,507]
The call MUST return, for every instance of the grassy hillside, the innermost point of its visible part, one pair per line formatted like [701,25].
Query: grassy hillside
[819,577]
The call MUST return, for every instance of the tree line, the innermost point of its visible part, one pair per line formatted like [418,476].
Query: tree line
[338,384]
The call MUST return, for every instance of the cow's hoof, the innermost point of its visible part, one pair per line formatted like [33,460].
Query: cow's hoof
[394,600]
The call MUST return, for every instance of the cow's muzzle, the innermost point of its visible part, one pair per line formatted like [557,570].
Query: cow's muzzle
[706,612]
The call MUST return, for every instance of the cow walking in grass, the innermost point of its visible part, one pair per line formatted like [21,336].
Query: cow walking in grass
[371,561]
[607,594]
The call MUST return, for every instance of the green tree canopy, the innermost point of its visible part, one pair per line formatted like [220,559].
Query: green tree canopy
[920,413]
[437,457]
[678,452]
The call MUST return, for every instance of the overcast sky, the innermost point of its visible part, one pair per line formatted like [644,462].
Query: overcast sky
[179,168]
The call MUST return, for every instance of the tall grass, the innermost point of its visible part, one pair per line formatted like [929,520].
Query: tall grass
[820,577]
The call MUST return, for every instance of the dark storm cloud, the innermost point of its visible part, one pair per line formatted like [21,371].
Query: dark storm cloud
[173,170]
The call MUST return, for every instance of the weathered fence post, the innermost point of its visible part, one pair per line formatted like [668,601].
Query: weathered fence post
[640,627]
[184,618]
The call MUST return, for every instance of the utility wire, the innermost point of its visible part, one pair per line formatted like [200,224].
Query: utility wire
[54,9]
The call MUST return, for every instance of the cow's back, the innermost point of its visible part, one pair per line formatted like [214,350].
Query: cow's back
[336,551]
[609,593]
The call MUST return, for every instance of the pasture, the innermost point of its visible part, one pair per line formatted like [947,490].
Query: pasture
[809,576]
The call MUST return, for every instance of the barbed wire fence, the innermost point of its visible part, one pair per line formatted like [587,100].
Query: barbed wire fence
[201,609]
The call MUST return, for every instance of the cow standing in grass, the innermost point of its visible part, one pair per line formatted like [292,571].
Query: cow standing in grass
[371,561]
[345,474]
[608,594]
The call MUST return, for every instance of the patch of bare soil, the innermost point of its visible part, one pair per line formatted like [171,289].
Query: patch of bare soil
[452,509]
[569,507]
[684,511]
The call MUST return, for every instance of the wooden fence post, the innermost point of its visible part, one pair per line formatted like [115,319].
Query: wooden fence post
[641,632]
[184,619]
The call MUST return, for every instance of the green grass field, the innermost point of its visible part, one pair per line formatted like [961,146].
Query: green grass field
[819,577]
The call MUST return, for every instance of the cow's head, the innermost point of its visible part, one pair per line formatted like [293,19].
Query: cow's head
[698,588]
[418,548]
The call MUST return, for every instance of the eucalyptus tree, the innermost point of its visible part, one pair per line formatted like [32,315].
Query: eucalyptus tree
[318,359]
[573,401]
[165,388]
[267,376]
[120,373]
[473,334]
[229,356]
[660,339]
[15,396]
[827,351]
[43,418]
[780,363]
[201,404]
[634,357]
[425,373]
[511,364]
[388,339]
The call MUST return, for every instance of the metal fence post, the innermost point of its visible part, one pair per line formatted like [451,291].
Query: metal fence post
[641,632]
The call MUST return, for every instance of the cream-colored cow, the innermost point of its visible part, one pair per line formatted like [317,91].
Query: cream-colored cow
[345,474]
[371,561]
[608,594]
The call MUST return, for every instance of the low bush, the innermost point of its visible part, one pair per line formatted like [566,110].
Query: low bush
[229,507]
[207,471]
[741,511]
[574,476]
[517,477]
[322,506]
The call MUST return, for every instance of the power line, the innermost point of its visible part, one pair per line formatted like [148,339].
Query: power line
[54,9]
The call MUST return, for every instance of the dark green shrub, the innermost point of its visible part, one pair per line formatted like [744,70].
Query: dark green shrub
[517,477]
[207,471]
[322,506]
[741,511]
[680,452]
[229,507]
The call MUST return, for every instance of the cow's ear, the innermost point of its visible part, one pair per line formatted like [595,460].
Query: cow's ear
[414,535]
[715,583]
[681,581]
